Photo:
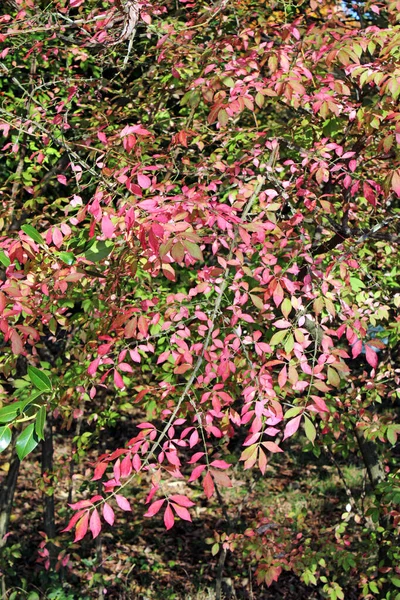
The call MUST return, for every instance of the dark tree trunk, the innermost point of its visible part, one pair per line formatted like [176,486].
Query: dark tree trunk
[7,493]
[47,469]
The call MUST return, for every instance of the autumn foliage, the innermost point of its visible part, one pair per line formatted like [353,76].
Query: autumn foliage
[199,233]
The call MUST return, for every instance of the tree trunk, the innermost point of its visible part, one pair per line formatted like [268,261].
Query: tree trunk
[47,469]
[7,493]
[372,462]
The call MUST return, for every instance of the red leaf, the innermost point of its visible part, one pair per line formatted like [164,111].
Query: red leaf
[82,527]
[291,427]
[208,485]
[93,366]
[126,466]
[95,524]
[371,356]
[122,502]
[169,518]
[197,471]
[356,348]
[320,403]
[99,471]
[119,383]
[73,521]
[182,512]
[154,508]
[16,343]
[81,504]
[181,500]
[220,464]
[108,514]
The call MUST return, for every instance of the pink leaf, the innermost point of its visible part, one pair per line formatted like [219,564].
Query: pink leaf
[154,508]
[57,237]
[144,181]
[220,464]
[181,500]
[74,520]
[291,427]
[107,226]
[356,348]
[126,466]
[197,471]
[125,367]
[95,524]
[81,504]
[93,366]
[272,447]
[371,356]
[82,527]
[119,383]
[108,514]
[320,403]
[62,179]
[169,518]
[102,137]
[99,471]
[396,182]
[135,356]
[182,512]
[122,502]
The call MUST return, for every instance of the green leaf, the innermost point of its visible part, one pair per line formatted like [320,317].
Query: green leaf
[310,430]
[39,379]
[392,432]
[356,284]
[395,581]
[39,422]
[32,233]
[10,412]
[278,337]
[67,257]
[27,441]
[5,437]
[4,260]
[193,249]
[99,250]
[293,412]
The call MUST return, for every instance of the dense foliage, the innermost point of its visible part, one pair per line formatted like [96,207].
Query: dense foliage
[199,230]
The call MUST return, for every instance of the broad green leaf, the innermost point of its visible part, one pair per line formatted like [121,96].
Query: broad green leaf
[32,233]
[10,412]
[39,422]
[289,344]
[310,430]
[5,437]
[99,250]
[278,337]
[356,284]
[39,379]
[333,377]
[27,441]
[4,260]
[67,257]
[293,412]
[193,249]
